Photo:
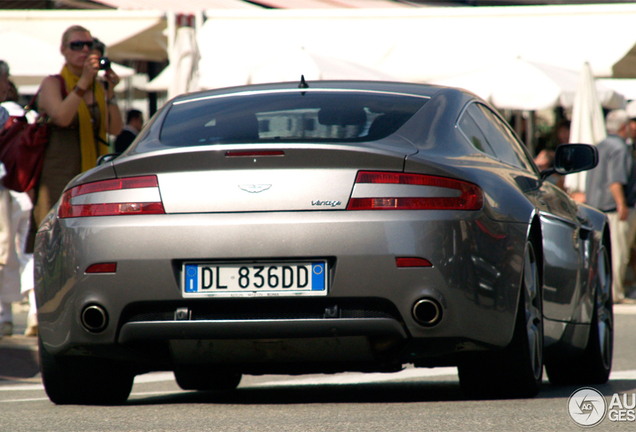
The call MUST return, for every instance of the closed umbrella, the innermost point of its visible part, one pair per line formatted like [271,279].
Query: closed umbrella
[588,124]
[184,63]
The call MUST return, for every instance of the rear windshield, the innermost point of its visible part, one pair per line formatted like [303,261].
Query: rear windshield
[299,116]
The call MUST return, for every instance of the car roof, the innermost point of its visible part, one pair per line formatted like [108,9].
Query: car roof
[380,86]
[441,99]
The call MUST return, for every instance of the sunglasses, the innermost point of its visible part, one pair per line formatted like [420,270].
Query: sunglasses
[79,45]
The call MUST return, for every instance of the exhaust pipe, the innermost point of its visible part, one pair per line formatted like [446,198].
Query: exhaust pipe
[94,318]
[427,312]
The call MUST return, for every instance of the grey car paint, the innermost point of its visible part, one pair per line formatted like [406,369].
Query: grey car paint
[276,209]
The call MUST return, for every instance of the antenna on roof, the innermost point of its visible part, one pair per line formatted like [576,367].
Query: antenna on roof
[303,83]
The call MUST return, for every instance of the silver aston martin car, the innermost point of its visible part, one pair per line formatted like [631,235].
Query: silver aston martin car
[321,228]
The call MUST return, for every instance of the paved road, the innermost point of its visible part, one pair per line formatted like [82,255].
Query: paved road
[412,400]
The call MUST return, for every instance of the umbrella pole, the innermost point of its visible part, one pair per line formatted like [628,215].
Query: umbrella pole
[530,133]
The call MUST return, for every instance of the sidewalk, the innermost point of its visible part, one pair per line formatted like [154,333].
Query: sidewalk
[19,353]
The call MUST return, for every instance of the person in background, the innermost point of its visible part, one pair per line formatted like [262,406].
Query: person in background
[545,160]
[14,211]
[10,102]
[608,188]
[561,136]
[562,132]
[81,111]
[21,213]
[631,141]
[134,123]
[4,90]
[631,111]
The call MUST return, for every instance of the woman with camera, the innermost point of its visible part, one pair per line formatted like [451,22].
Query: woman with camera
[82,110]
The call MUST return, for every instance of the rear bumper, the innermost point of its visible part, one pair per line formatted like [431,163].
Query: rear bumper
[478,296]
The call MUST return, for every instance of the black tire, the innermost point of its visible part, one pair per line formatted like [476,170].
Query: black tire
[517,370]
[201,378]
[83,380]
[594,364]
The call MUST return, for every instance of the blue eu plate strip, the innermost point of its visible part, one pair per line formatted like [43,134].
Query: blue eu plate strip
[191,278]
[317,276]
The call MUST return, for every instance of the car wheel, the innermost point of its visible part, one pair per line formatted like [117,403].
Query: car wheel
[517,370]
[83,380]
[202,379]
[592,365]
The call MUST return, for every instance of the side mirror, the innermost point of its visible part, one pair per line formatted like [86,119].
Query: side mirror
[106,158]
[572,158]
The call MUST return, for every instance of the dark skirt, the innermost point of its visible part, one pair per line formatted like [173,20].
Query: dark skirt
[62,162]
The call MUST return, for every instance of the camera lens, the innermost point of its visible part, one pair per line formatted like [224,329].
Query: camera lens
[104,63]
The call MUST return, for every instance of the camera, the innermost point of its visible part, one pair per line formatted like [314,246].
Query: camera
[104,63]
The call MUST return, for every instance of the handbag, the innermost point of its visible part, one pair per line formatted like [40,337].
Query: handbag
[22,148]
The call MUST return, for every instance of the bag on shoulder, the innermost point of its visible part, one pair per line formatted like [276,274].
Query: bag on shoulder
[22,148]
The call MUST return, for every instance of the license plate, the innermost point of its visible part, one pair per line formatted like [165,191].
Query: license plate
[255,279]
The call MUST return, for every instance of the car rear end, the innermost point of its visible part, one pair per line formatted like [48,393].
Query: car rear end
[290,241]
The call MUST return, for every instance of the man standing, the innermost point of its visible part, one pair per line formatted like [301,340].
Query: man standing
[134,123]
[607,189]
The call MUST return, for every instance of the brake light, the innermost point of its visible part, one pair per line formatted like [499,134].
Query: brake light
[125,196]
[405,262]
[254,153]
[402,191]
[102,268]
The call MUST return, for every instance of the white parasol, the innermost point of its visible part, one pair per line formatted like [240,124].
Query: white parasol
[588,124]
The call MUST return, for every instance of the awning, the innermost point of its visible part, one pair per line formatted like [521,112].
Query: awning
[519,84]
[160,83]
[129,35]
[626,67]
[335,4]
[462,39]
[426,43]
[625,86]
[189,6]
[43,58]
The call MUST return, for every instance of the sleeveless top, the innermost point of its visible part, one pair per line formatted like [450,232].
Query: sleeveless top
[62,163]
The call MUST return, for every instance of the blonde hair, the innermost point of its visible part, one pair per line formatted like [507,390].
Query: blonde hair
[72,29]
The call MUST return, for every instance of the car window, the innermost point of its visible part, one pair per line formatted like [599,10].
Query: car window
[472,132]
[288,116]
[501,138]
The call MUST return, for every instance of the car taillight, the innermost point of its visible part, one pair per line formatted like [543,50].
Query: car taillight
[125,196]
[401,191]
[102,268]
[405,262]
[254,153]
